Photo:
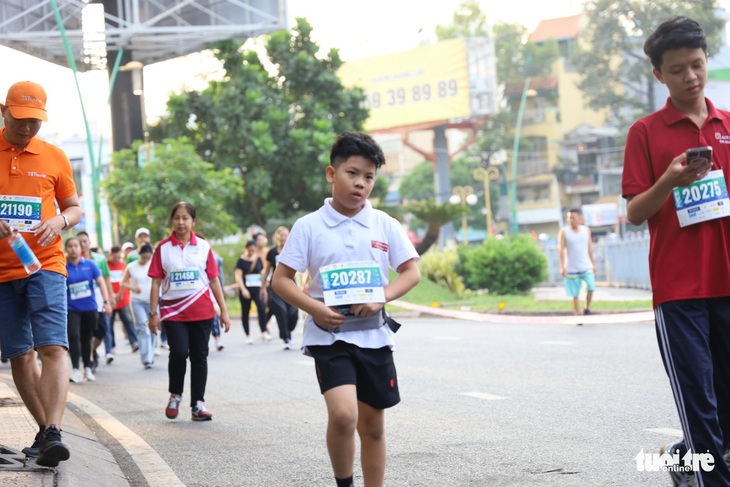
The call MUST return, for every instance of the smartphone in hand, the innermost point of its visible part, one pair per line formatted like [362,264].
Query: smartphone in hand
[699,155]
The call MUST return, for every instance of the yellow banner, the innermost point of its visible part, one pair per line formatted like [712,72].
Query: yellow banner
[425,84]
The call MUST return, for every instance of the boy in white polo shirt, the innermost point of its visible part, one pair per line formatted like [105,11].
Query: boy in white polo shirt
[348,247]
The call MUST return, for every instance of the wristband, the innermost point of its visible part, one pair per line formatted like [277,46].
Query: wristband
[66,223]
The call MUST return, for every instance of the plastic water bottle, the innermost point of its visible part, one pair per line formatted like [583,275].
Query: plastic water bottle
[26,255]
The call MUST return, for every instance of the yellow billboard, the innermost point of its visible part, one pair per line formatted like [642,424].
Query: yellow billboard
[425,84]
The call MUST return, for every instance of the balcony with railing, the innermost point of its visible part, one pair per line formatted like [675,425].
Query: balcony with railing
[532,164]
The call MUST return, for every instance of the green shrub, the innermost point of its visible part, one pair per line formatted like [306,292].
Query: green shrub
[510,265]
[440,267]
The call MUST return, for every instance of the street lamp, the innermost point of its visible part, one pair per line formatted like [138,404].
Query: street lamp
[515,151]
[486,176]
[464,195]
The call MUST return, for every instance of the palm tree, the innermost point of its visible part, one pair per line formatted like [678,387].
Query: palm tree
[435,215]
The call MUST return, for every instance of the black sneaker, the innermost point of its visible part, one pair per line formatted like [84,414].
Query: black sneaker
[587,312]
[33,450]
[680,478]
[53,450]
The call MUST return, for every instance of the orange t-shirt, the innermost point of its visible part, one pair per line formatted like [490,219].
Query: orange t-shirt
[42,171]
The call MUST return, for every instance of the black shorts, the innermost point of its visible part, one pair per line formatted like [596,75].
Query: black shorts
[100,331]
[371,370]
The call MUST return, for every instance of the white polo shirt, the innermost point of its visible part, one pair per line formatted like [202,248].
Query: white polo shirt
[328,237]
[186,272]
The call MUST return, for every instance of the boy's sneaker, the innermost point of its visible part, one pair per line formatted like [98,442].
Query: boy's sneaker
[201,413]
[679,478]
[148,365]
[219,345]
[249,340]
[287,345]
[52,449]
[587,312]
[76,376]
[173,406]
[109,358]
[265,336]
[34,450]
[135,347]
[89,375]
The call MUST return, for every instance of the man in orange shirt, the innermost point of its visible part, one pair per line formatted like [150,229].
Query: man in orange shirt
[34,176]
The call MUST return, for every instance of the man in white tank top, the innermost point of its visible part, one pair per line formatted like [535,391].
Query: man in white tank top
[576,260]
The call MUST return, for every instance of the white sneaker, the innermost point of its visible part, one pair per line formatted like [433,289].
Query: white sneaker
[89,375]
[287,345]
[249,340]
[265,337]
[76,376]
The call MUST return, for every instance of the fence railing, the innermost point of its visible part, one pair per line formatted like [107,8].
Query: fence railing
[623,263]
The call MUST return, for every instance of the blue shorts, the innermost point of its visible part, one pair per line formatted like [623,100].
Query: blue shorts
[34,313]
[574,281]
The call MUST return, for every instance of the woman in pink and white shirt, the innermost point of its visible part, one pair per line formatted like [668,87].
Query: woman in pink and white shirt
[184,272]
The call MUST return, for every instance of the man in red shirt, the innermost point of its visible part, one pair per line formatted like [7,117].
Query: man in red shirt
[121,297]
[685,203]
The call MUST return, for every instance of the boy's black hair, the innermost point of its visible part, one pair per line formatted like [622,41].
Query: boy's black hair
[575,210]
[676,33]
[115,249]
[350,144]
[145,248]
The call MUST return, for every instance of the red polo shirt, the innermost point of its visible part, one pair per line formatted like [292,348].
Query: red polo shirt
[691,262]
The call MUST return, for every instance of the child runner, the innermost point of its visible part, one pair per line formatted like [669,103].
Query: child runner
[353,354]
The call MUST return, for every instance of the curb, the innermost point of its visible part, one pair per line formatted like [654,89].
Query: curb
[90,459]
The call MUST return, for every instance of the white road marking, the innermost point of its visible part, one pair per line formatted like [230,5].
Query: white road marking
[666,431]
[152,466]
[482,395]
[447,337]
[557,343]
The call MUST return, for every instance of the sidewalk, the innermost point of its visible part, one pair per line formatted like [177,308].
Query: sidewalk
[602,293]
[90,460]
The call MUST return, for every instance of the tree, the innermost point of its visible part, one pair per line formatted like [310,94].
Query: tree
[144,195]
[418,190]
[468,21]
[616,74]
[509,49]
[435,215]
[419,183]
[273,126]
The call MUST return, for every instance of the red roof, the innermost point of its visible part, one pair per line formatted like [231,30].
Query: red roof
[546,83]
[562,28]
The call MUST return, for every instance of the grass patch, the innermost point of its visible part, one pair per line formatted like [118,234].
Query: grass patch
[427,293]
